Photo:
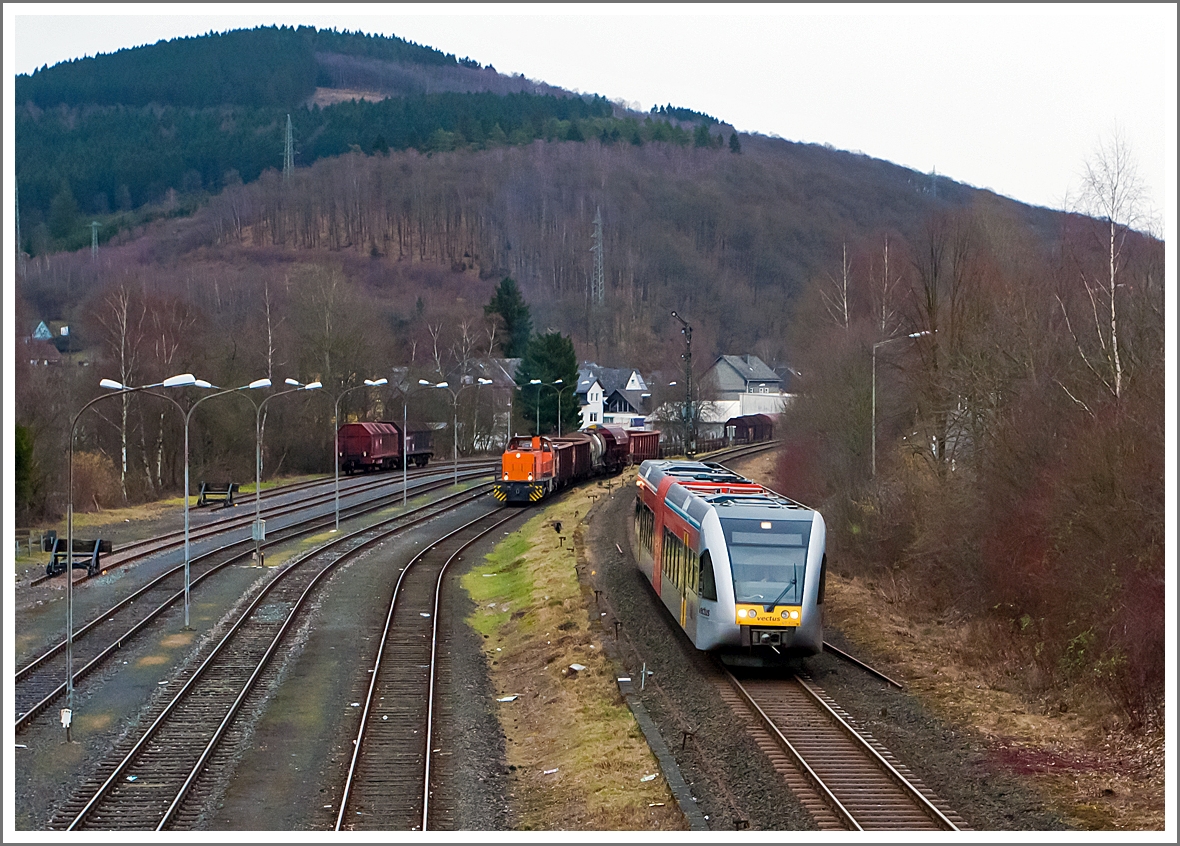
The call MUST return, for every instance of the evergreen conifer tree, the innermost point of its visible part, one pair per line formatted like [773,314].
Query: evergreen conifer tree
[510,306]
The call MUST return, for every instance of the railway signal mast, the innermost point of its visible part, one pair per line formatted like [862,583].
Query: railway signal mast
[690,418]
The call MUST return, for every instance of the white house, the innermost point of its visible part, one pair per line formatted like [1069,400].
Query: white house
[612,395]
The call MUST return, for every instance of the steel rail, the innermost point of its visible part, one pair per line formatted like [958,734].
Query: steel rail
[173,540]
[223,645]
[857,662]
[379,661]
[355,510]
[928,807]
[288,534]
[825,792]
[434,662]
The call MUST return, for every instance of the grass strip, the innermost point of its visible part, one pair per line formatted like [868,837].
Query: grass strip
[577,759]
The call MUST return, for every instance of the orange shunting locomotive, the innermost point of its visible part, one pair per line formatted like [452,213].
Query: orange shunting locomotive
[534,467]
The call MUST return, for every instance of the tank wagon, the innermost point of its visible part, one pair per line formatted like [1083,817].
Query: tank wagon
[532,468]
[361,447]
[740,568]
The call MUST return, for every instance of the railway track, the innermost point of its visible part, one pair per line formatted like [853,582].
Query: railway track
[844,778]
[237,519]
[41,681]
[389,786]
[158,776]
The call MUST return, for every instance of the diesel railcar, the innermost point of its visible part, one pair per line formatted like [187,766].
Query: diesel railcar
[740,568]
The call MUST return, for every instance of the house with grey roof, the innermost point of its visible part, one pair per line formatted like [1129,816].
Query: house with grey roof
[744,385]
[618,396]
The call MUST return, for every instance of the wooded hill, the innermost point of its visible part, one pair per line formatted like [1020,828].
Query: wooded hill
[724,229]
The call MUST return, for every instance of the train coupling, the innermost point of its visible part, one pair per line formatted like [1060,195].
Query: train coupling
[767,637]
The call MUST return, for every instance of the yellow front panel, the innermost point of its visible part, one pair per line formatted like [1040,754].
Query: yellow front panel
[757,615]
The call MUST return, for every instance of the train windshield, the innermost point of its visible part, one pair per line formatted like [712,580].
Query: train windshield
[769,558]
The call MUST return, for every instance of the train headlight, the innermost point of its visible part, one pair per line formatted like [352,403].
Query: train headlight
[505,477]
[785,615]
[794,615]
[742,612]
[530,477]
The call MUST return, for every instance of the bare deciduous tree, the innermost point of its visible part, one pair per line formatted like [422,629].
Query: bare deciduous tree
[123,319]
[836,295]
[1113,194]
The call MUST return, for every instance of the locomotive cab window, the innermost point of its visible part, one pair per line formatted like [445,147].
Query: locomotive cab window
[769,558]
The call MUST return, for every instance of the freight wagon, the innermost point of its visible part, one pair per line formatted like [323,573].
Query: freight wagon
[380,446]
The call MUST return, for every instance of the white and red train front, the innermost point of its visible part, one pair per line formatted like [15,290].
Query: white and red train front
[740,567]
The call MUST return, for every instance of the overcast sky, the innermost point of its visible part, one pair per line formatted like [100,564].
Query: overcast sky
[1011,98]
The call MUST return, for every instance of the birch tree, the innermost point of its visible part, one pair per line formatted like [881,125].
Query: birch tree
[836,296]
[123,319]
[1113,195]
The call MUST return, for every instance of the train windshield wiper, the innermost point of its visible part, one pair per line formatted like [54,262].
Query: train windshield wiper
[770,606]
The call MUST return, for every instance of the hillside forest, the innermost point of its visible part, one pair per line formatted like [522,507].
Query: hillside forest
[979,409]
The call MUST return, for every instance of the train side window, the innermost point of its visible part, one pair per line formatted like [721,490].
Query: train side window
[645,523]
[823,578]
[707,580]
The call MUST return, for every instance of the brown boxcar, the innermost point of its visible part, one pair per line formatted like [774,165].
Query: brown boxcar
[379,446]
[645,444]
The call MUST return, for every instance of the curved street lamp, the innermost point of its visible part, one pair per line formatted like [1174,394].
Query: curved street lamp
[454,421]
[481,381]
[557,385]
[405,435]
[200,383]
[257,530]
[369,383]
[881,344]
[120,390]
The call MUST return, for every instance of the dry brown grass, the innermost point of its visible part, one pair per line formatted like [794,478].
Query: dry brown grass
[576,754]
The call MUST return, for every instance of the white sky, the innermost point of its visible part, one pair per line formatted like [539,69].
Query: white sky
[1008,97]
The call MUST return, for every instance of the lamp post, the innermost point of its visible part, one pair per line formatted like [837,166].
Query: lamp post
[480,382]
[874,401]
[121,389]
[454,421]
[369,383]
[257,383]
[558,385]
[690,449]
[257,530]
[405,435]
[537,382]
